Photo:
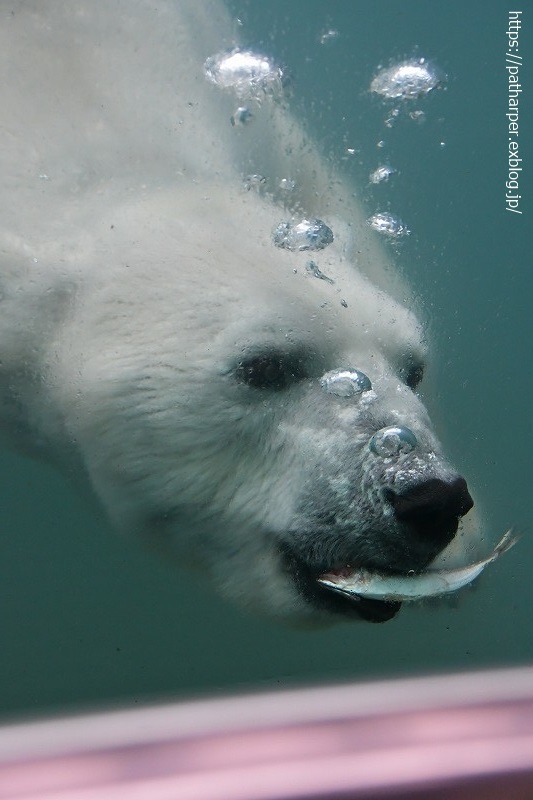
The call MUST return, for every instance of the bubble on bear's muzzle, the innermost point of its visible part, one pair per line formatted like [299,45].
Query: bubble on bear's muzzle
[393,441]
[345,382]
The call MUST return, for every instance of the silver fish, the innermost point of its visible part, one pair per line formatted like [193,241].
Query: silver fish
[431,583]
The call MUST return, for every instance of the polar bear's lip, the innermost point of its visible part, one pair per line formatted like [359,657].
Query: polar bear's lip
[307,581]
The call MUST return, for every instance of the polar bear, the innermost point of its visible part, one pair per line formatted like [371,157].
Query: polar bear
[251,409]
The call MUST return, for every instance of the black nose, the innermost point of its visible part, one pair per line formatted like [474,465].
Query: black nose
[433,507]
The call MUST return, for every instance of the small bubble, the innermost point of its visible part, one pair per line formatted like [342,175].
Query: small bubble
[381,174]
[312,268]
[254,182]
[241,116]
[287,185]
[388,225]
[391,119]
[329,36]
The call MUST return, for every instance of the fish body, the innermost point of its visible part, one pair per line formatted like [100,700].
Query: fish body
[432,583]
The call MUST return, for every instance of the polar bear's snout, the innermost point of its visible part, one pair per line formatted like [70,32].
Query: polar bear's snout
[425,519]
[432,508]
[379,493]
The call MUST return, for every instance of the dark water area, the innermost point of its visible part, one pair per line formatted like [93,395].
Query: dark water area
[88,619]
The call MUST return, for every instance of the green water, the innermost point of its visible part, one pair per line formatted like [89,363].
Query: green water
[87,619]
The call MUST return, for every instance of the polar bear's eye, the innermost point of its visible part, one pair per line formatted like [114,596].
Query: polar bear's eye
[273,370]
[413,375]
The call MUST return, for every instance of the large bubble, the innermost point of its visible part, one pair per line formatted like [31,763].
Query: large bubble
[307,234]
[407,80]
[246,73]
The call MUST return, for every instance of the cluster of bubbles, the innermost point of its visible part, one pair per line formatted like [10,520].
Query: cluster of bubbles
[405,81]
[252,77]
[256,182]
[388,442]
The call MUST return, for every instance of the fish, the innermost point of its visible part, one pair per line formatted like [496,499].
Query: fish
[411,587]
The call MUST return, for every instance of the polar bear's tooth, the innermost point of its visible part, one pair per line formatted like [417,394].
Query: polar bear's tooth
[431,583]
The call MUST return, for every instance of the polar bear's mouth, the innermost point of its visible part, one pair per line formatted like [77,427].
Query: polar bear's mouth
[350,604]
[323,597]
[377,596]
[360,583]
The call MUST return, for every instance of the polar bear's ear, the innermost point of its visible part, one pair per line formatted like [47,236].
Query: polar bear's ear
[272,369]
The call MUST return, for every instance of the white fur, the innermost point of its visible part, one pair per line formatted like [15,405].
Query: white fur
[136,271]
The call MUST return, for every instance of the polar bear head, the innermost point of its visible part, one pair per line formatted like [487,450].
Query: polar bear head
[250,408]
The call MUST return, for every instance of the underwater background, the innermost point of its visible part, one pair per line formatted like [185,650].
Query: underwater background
[87,618]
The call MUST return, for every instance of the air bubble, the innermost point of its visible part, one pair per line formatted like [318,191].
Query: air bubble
[287,185]
[407,80]
[313,269]
[308,234]
[247,73]
[381,174]
[241,116]
[345,382]
[329,36]
[254,182]
[392,441]
[388,225]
